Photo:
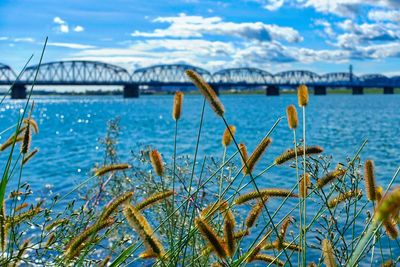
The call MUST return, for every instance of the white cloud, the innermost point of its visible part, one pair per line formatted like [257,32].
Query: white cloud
[3,38]
[184,26]
[78,28]
[346,8]
[71,45]
[58,20]
[64,28]
[327,26]
[356,35]
[384,15]
[24,40]
[273,5]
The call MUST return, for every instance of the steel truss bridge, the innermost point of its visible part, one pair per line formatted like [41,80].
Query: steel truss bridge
[84,73]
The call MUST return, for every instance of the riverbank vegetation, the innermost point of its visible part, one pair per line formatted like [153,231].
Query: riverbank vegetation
[189,211]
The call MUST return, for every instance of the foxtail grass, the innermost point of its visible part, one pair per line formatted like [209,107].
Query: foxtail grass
[138,222]
[263,194]
[153,199]
[177,107]
[77,244]
[157,162]
[206,90]
[113,206]
[226,137]
[327,252]
[369,177]
[330,177]
[30,155]
[111,168]
[212,238]
[343,197]
[257,154]
[291,153]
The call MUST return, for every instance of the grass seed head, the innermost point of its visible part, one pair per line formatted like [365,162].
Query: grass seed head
[292,118]
[177,109]
[111,168]
[291,153]
[369,177]
[157,162]
[257,154]
[206,90]
[302,95]
[327,252]
[212,238]
[226,137]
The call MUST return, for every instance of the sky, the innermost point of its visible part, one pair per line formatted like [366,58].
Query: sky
[274,35]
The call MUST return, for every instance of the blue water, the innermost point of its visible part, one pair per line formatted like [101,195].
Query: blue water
[71,126]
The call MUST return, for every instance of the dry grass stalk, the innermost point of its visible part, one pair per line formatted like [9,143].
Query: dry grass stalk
[30,155]
[114,205]
[206,90]
[257,154]
[291,153]
[139,223]
[26,141]
[263,194]
[157,162]
[327,252]
[369,177]
[31,123]
[292,118]
[10,141]
[111,168]
[226,137]
[212,238]
[153,199]
[302,95]
[177,109]
[343,197]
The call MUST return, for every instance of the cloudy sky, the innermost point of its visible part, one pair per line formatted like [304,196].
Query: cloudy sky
[275,35]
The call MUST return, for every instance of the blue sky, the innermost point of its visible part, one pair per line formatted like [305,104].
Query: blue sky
[275,35]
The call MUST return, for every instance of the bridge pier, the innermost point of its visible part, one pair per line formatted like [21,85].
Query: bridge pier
[18,91]
[358,90]
[319,90]
[272,90]
[388,90]
[131,91]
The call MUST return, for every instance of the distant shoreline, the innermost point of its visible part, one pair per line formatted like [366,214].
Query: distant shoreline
[227,92]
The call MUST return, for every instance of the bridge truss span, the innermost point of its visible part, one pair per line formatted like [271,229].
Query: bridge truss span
[77,72]
[172,74]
